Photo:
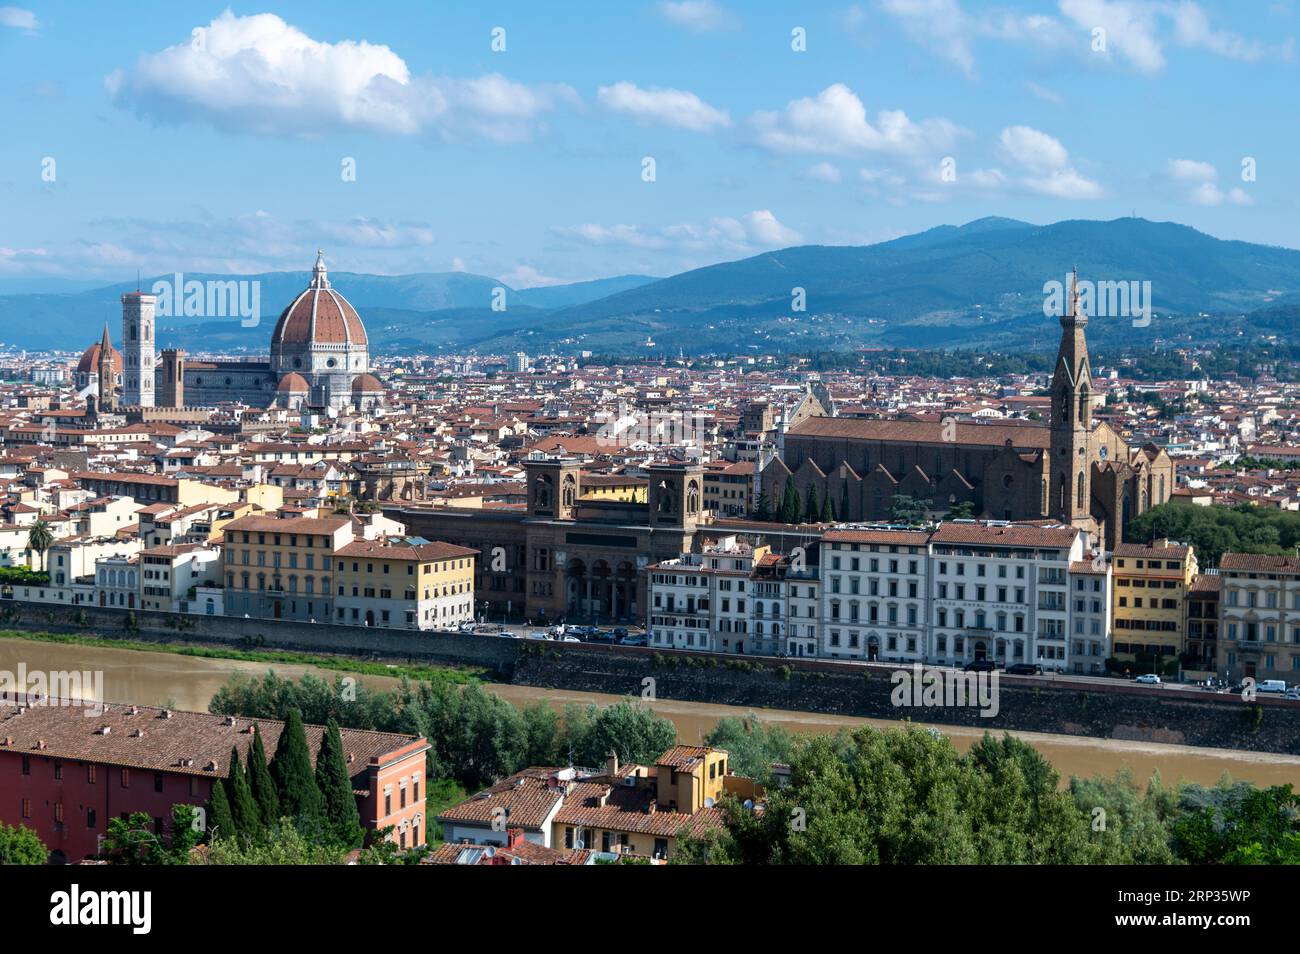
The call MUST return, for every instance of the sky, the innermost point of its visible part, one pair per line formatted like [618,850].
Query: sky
[548,143]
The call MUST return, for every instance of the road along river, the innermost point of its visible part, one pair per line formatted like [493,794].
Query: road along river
[189,682]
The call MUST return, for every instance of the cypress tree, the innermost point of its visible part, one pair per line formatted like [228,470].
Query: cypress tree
[260,781]
[220,823]
[813,507]
[342,819]
[294,782]
[764,509]
[828,508]
[243,807]
[844,501]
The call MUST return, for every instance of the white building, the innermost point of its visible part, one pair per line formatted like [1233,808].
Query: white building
[873,594]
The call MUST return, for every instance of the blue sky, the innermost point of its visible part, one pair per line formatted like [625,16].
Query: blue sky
[225,150]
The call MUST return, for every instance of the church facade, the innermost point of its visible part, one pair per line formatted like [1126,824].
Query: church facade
[319,360]
[1074,470]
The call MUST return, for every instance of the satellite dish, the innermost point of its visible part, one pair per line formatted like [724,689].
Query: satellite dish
[708,803]
[749,804]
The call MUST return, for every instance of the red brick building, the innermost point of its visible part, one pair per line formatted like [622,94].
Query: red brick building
[66,770]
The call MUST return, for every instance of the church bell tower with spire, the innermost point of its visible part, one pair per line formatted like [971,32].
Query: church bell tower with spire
[1070,493]
[107,397]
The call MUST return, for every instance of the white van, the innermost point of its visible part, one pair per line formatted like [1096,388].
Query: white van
[1271,685]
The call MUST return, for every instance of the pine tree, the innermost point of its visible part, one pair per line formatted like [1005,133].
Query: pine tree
[294,783]
[813,507]
[342,819]
[220,823]
[791,506]
[828,508]
[764,509]
[844,501]
[243,807]
[260,781]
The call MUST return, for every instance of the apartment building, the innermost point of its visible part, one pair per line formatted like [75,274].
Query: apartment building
[1001,591]
[704,600]
[66,775]
[404,583]
[629,809]
[1259,626]
[1203,597]
[873,594]
[170,575]
[1150,604]
[1090,619]
[283,568]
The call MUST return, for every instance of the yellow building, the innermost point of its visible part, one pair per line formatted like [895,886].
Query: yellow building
[282,568]
[631,809]
[1150,604]
[404,583]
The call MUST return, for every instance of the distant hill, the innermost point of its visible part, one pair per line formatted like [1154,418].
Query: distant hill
[975,285]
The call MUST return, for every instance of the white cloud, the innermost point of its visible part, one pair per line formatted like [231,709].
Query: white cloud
[1045,94]
[1137,31]
[1204,189]
[259,74]
[1047,165]
[945,29]
[699,16]
[751,232]
[835,123]
[822,172]
[19,19]
[1191,170]
[526,276]
[672,107]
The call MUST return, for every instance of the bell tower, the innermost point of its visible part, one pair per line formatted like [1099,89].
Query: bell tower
[138,348]
[1070,490]
[107,384]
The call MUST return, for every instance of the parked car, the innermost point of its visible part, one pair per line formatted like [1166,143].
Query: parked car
[1024,669]
[1148,679]
[980,665]
[620,632]
[568,639]
[633,640]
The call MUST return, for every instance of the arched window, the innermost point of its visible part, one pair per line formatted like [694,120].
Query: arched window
[1079,493]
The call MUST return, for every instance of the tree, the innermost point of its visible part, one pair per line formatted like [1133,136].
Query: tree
[342,820]
[244,812]
[260,782]
[813,505]
[828,509]
[295,785]
[633,732]
[40,539]
[280,844]
[844,501]
[220,820]
[763,510]
[908,510]
[133,841]
[19,845]
[752,745]
[963,510]
[791,507]
[541,729]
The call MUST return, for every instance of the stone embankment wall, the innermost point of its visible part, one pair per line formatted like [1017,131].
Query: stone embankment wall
[1038,704]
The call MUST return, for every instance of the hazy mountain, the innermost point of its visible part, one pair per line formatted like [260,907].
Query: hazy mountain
[979,284]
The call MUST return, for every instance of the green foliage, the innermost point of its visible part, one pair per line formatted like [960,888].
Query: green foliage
[813,506]
[295,785]
[908,510]
[631,731]
[22,576]
[342,820]
[1216,530]
[752,745]
[221,821]
[260,782]
[244,813]
[280,844]
[19,845]
[1260,828]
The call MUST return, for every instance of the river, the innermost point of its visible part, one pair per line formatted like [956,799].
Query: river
[189,682]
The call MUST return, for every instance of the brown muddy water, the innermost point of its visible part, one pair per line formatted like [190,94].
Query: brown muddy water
[189,682]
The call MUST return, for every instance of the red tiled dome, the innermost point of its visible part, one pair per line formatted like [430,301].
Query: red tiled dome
[366,382]
[319,315]
[293,382]
[89,363]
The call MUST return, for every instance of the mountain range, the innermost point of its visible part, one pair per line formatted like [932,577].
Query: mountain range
[978,285]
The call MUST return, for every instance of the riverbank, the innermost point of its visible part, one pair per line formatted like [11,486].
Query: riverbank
[152,674]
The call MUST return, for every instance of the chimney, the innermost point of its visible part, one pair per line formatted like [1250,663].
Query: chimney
[514,836]
[612,763]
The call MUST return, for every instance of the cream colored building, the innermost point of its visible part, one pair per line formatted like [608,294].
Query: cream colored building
[404,583]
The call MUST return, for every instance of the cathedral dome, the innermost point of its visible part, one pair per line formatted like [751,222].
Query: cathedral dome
[366,384]
[318,316]
[89,363]
[293,383]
